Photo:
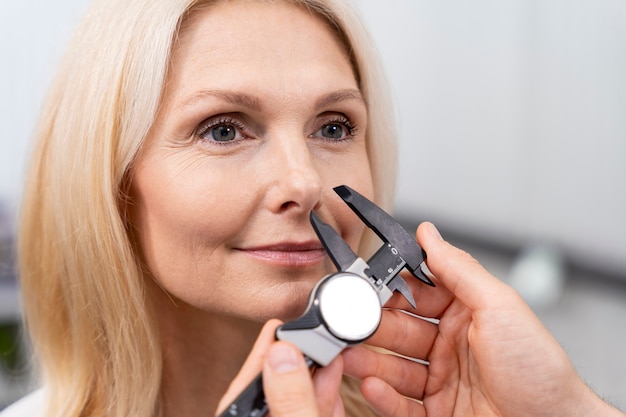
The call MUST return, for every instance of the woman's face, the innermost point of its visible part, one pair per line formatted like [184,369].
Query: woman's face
[261,118]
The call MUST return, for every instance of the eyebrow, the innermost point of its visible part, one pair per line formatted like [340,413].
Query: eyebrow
[339,96]
[253,103]
[239,99]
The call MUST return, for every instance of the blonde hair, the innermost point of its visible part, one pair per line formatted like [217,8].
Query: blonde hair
[82,286]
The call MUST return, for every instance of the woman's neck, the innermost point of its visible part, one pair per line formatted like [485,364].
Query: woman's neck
[202,353]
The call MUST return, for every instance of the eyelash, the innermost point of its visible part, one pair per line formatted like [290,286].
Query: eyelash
[352,128]
[206,126]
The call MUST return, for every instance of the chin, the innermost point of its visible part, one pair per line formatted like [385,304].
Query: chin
[288,306]
[293,313]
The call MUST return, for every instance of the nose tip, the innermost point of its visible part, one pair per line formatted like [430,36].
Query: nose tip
[307,202]
[297,185]
[301,189]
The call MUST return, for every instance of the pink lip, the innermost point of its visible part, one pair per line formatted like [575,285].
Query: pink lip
[288,253]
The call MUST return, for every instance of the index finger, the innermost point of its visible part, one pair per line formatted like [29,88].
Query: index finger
[430,302]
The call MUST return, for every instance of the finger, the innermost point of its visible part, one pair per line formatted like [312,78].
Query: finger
[386,402]
[339,410]
[405,334]
[407,377]
[429,301]
[252,366]
[287,383]
[326,382]
[458,271]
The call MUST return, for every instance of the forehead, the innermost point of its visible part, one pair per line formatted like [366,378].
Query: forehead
[277,40]
[263,14]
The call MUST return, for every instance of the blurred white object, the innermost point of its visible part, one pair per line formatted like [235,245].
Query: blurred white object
[538,275]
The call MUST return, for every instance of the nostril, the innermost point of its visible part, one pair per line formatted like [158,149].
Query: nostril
[288,205]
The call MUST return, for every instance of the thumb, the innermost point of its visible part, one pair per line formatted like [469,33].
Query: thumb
[252,365]
[459,272]
[287,383]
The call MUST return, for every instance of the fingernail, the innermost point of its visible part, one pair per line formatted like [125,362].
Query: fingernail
[282,358]
[434,232]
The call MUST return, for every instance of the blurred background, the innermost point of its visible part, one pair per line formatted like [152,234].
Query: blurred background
[512,120]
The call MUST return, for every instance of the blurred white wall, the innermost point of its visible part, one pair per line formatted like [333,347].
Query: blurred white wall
[512,113]
[33,36]
[513,118]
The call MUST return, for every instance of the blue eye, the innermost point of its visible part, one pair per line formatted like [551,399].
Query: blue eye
[336,130]
[333,131]
[224,133]
[221,131]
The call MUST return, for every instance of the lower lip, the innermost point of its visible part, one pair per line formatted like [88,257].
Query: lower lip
[288,258]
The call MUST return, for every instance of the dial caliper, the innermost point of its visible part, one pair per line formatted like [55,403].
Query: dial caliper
[345,308]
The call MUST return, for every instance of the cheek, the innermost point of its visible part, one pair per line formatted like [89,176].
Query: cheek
[181,221]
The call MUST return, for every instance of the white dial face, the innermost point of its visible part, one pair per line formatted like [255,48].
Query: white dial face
[350,307]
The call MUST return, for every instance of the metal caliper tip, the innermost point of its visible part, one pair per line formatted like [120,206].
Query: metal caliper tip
[424,274]
[387,229]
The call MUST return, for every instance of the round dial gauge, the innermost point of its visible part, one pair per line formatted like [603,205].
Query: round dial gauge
[350,307]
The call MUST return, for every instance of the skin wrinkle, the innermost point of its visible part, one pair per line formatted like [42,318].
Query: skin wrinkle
[253,103]
[463,387]
[404,374]
[452,382]
[406,331]
[392,367]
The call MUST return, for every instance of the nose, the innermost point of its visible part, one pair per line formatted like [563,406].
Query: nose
[295,185]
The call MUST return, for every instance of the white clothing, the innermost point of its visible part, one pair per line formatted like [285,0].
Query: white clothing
[31,405]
